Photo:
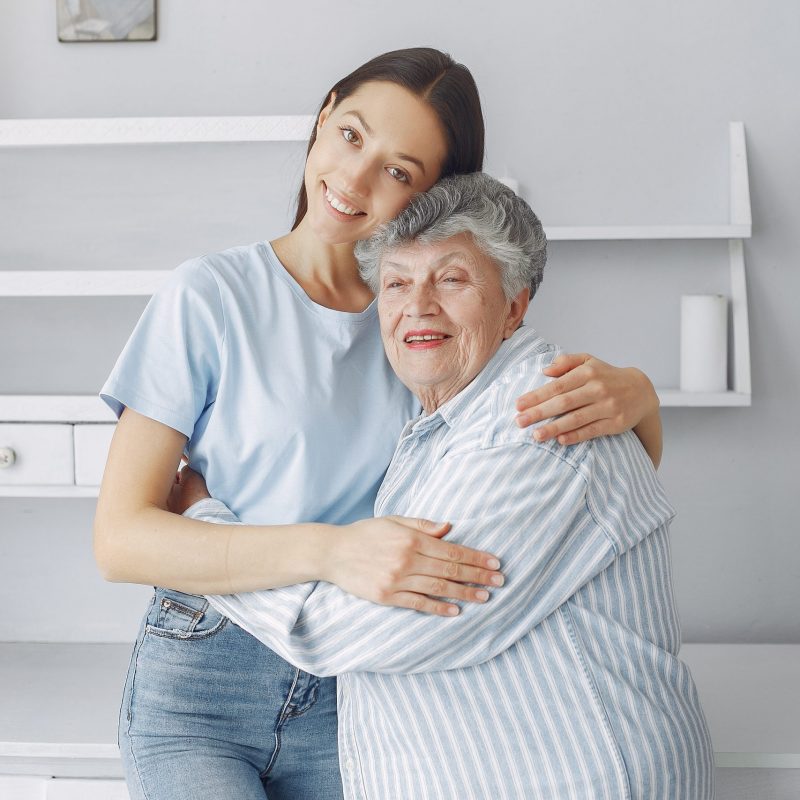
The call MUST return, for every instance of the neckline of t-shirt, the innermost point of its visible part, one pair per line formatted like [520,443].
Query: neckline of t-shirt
[350,317]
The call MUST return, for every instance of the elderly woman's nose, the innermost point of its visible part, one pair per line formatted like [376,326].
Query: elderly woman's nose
[421,301]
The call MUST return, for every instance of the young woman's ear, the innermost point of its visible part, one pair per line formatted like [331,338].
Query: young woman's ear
[326,111]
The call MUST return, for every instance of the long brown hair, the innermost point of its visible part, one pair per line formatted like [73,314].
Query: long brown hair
[446,85]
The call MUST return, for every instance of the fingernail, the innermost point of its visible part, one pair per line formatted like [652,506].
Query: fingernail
[498,580]
[452,610]
[482,594]
[492,563]
[520,420]
[538,435]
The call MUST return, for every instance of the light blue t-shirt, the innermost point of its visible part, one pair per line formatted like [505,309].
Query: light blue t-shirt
[291,409]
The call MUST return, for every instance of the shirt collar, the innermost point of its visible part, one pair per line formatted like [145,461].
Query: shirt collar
[522,342]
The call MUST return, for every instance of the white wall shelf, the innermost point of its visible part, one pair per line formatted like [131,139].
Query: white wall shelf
[597,233]
[54,408]
[80,283]
[153,130]
[674,398]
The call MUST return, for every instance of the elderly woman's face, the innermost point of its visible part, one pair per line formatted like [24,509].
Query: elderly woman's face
[443,315]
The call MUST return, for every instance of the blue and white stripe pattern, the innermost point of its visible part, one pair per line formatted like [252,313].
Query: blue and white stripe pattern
[566,685]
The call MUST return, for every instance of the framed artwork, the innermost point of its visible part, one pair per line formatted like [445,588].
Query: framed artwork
[106,20]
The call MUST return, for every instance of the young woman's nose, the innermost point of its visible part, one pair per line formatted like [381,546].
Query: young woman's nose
[356,178]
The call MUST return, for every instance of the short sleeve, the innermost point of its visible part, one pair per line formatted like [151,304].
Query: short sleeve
[169,369]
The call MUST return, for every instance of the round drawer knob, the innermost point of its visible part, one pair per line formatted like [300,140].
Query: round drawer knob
[7,457]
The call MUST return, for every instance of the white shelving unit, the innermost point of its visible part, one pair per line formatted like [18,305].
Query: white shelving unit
[66,132]
[99,283]
[59,701]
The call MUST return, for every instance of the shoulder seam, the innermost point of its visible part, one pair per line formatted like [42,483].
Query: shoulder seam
[575,466]
[210,271]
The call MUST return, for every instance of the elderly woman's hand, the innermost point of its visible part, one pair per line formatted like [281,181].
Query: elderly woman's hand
[399,561]
[592,398]
[188,488]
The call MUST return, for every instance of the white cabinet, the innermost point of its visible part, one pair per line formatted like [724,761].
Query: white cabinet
[18,787]
[55,457]
[52,457]
[59,718]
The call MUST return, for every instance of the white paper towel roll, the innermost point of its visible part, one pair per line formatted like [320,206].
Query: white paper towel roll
[704,343]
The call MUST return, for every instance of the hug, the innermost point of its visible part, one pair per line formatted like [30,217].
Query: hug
[566,683]
[419,595]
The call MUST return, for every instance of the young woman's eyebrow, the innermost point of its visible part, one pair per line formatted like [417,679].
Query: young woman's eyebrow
[370,132]
[404,157]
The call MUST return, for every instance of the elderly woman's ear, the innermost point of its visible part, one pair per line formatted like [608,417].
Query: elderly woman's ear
[516,313]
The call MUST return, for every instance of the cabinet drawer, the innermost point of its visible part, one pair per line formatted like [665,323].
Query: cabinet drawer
[39,455]
[91,450]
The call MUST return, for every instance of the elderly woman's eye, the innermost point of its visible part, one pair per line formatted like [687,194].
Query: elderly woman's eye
[349,134]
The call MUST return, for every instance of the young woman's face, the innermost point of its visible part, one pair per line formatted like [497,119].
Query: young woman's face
[373,152]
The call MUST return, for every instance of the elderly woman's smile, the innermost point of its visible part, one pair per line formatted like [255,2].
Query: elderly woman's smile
[443,315]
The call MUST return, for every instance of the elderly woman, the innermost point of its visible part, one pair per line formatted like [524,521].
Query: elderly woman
[566,684]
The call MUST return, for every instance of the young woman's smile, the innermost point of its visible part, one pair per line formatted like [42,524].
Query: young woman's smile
[373,152]
[340,207]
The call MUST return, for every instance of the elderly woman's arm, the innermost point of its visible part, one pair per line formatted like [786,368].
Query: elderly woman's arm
[551,534]
[594,398]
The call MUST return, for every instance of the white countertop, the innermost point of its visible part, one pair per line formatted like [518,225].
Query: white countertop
[59,705]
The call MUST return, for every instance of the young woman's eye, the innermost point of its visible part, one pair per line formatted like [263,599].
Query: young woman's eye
[349,134]
[398,174]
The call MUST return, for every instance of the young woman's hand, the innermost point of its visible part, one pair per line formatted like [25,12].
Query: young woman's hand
[395,561]
[399,561]
[189,488]
[593,399]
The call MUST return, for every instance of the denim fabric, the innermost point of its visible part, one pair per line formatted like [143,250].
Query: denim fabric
[210,712]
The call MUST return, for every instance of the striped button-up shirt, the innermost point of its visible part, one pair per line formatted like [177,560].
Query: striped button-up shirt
[566,684]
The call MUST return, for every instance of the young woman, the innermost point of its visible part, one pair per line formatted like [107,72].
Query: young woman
[264,365]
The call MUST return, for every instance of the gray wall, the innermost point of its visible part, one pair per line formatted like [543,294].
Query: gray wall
[612,112]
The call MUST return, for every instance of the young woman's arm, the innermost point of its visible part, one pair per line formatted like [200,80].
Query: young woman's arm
[137,540]
[594,399]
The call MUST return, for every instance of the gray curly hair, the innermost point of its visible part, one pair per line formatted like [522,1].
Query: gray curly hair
[502,224]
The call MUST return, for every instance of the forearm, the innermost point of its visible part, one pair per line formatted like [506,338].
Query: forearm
[154,547]
[542,532]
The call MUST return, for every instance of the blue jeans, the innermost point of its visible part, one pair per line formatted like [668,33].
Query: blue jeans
[210,712]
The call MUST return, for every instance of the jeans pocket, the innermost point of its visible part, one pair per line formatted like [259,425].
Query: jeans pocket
[176,615]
